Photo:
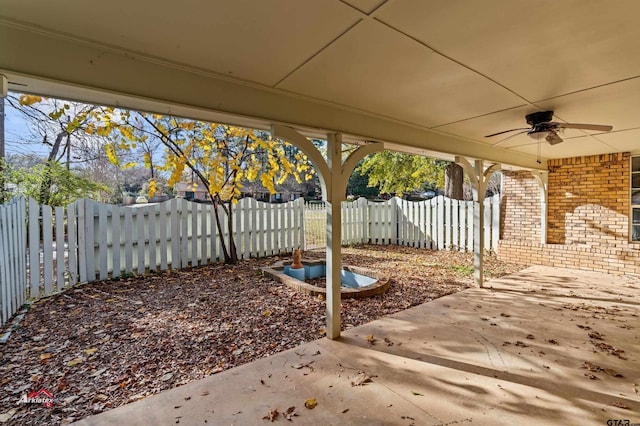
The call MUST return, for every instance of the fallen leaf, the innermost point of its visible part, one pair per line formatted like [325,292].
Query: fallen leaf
[68,400]
[74,362]
[98,372]
[90,351]
[166,377]
[345,410]
[595,335]
[370,339]
[620,405]
[298,366]
[612,372]
[290,413]
[591,367]
[530,336]
[388,341]
[6,416]
[311,403]
[272,415]
[417,393]
[362,379]
[45,356]
[266,313]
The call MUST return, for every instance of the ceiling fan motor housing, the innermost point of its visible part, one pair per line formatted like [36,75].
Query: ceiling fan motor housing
[536,118]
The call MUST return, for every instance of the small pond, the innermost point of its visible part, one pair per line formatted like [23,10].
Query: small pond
[355,281]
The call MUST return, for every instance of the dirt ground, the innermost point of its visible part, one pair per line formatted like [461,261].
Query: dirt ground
[104,344]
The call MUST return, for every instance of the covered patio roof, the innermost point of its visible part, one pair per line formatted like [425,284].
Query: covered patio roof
[427,77]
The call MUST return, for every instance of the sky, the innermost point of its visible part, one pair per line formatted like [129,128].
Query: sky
[18,137]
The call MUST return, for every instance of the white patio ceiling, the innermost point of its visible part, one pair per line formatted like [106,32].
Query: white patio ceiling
[420,75]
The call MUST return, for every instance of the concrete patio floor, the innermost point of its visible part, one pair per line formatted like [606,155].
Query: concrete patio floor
[533,348]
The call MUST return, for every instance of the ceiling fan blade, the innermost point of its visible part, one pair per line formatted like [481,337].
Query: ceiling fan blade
[506,131]
[509,137]
[595,127]
[553,138]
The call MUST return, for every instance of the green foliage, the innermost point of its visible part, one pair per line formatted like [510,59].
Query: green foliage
[462,269]
[396,172]
[358,185]
[67,185]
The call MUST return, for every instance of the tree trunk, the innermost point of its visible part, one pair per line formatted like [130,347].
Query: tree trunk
[233,253]
[229,252]
[45,185]
[225,251]
[453,181]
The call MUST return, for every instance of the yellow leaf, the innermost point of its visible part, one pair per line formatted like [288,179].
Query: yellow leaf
[74,362]
[29,99]
[311,403]
[147,160]
[370,339]
[91,351]
[110,300]
[111,154]
[45,356]
[152,188]
[266,313]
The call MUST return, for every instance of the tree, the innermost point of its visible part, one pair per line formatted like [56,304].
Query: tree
[454,181]
[219,156]
[358,185]
[59,124]
[396,172]
[67,185]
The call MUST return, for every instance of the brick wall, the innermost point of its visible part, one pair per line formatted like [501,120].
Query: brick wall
[588,208]
[520,206]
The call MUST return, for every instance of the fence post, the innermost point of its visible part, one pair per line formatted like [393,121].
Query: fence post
[440,222]
[363,219]
[394,219]
[495,222]
[47,249]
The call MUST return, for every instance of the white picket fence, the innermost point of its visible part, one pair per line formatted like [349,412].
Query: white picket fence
[440,223]
[87,241]
[13,267]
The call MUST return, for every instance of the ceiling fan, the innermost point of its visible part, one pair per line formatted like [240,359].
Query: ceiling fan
[543,128]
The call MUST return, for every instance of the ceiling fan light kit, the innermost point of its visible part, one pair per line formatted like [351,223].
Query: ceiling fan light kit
[543,128]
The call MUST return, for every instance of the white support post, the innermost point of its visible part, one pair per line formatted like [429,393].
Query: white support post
[543,180]
[479,177]
[334,237]
[334,174]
